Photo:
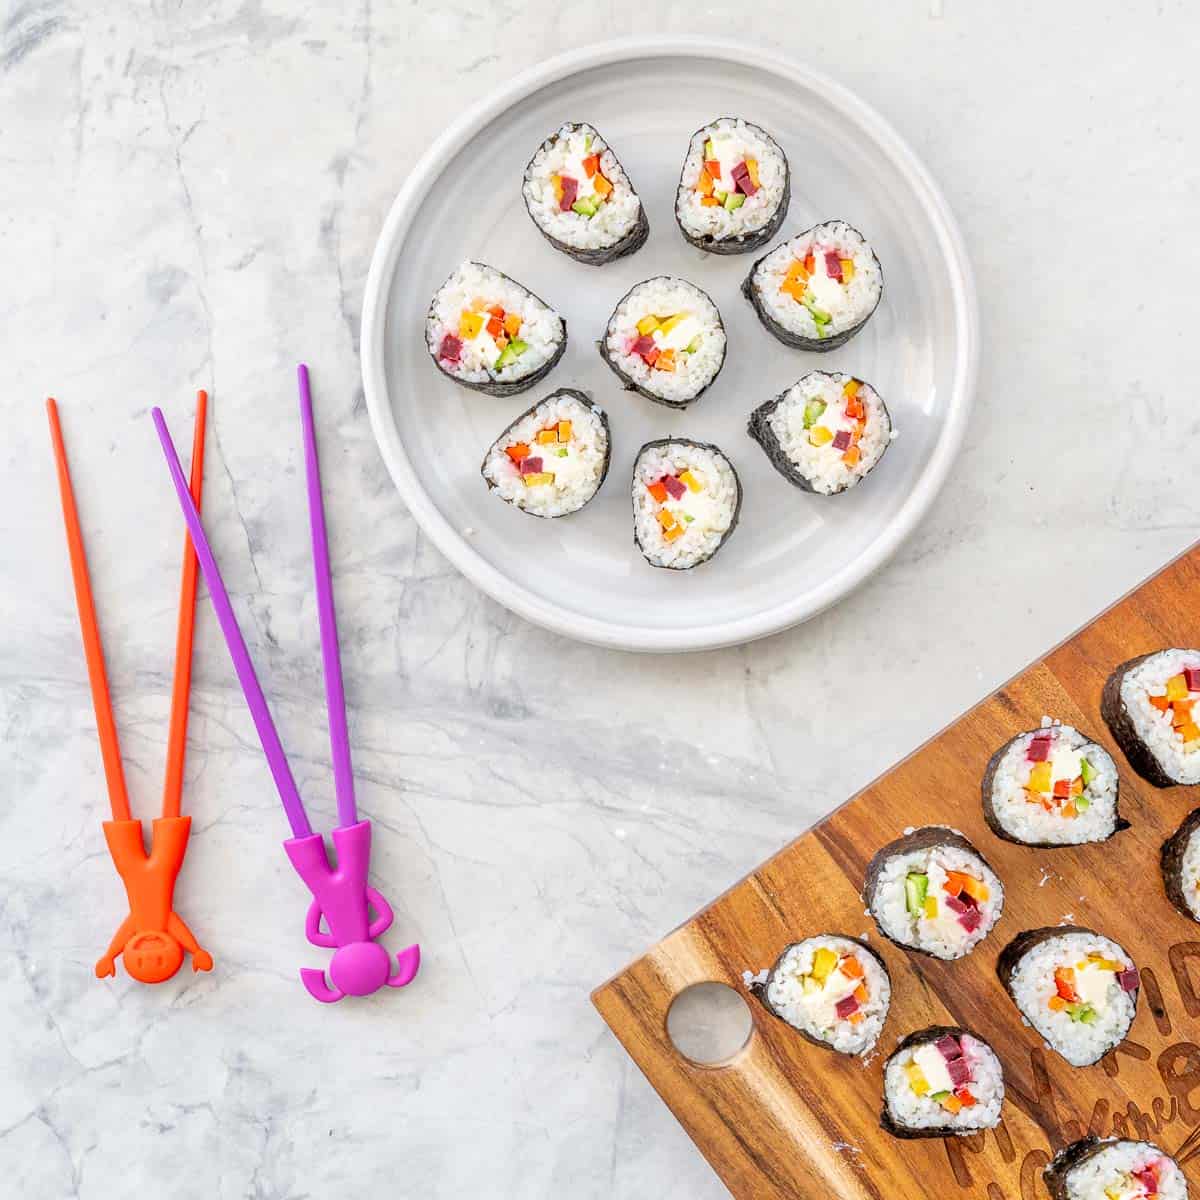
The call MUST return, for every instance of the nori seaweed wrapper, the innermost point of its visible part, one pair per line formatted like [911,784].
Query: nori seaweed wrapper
[737,504]
[759,428]
[760,989]
[627,381]
[1171,858]
[997,827]
[919,1038]
[788,337]
[634,240]
[758,237]
[584,399]
[1120,724]
[491,387]
[924,838]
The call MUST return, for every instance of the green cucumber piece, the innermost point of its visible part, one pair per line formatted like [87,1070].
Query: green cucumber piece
[940,1096]
[734,201]
[708,149]
[510,354]
[1088,1015]
[818,314]
[812,412]
[1082,804]
[1087,771]
[694,344]
[585,207]
[562,452]
[916,888]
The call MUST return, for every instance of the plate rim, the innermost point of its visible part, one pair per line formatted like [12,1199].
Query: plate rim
[455,545]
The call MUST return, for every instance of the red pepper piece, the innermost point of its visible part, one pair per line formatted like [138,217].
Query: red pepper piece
[570,189]
[651,355]
[1062,789]
[833,265]
[713,167]
[531,465]
[841,440]
[673,486]
[845,1007]
[450,348]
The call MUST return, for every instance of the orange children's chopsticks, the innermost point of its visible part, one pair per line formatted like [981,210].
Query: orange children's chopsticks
[152,938]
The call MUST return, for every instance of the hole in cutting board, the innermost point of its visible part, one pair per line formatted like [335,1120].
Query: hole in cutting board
[708,1023]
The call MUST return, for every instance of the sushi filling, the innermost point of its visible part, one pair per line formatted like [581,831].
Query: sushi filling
[733,182]
[485,327]
[833,429]
[1174,701]
[577,191]
[823,283]
[942,900]
[551,461]
[952,1081]
[1078,990]
[833,990]
[1054,786]
[685,501]
[666,337]
[1189,874]
[1126,1170]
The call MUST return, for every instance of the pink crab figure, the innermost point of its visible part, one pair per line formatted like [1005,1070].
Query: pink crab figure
[346,915]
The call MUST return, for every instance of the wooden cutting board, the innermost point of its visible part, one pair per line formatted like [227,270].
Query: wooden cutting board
[784,1118]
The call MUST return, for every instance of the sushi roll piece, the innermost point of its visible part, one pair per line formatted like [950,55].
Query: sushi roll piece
[488,332]
[825,434]
[933,892]
[943,1081]
[1152,706]
[1077,988]
[580,198]
[686,501]
[832,989]
[665,340]
[1114,1169]
[734,188]
[818,289]
[1052,787]
[553,458]
[1181,866]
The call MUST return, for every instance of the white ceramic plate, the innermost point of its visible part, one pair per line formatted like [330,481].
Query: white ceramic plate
[792,554]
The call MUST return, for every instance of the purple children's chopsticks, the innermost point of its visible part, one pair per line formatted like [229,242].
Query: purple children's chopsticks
[341,894]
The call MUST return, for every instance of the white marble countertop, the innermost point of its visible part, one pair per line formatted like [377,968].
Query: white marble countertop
[191,197]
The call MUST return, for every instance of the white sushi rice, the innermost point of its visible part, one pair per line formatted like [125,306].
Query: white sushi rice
[666,296]
[1029,822]
[734,140]
[1148,679]
[577,472]
[1108,1174]
[822,465]
[921,1112]
[541,327]
[942,936]
[616,216]
[815,1013]
[848,304]
[1032,985]
[712,510]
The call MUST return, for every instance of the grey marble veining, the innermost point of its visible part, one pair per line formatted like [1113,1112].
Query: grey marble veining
[191,195]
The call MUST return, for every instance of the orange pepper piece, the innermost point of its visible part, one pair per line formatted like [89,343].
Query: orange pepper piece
[710,202]
[591,165]
[860,993]
[495,327]
[713,167]
[512,324]
[657,490]
[704,185]
[851,967]
[1161,703]
[518,451]
[852,457]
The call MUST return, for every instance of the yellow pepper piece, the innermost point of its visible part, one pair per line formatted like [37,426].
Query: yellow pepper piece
[823,963]
[469,325]
[666,518]
[676,531]
[819,435]
[916,1079]
[1041,777]
[647,325]
[752,167]
[1190,733]
[931,908]
[1098,960]
[847,269]
[564,431]
[1177,688]
[667,325]
[546,436]
[850,390]
[537,477]
[694,484]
